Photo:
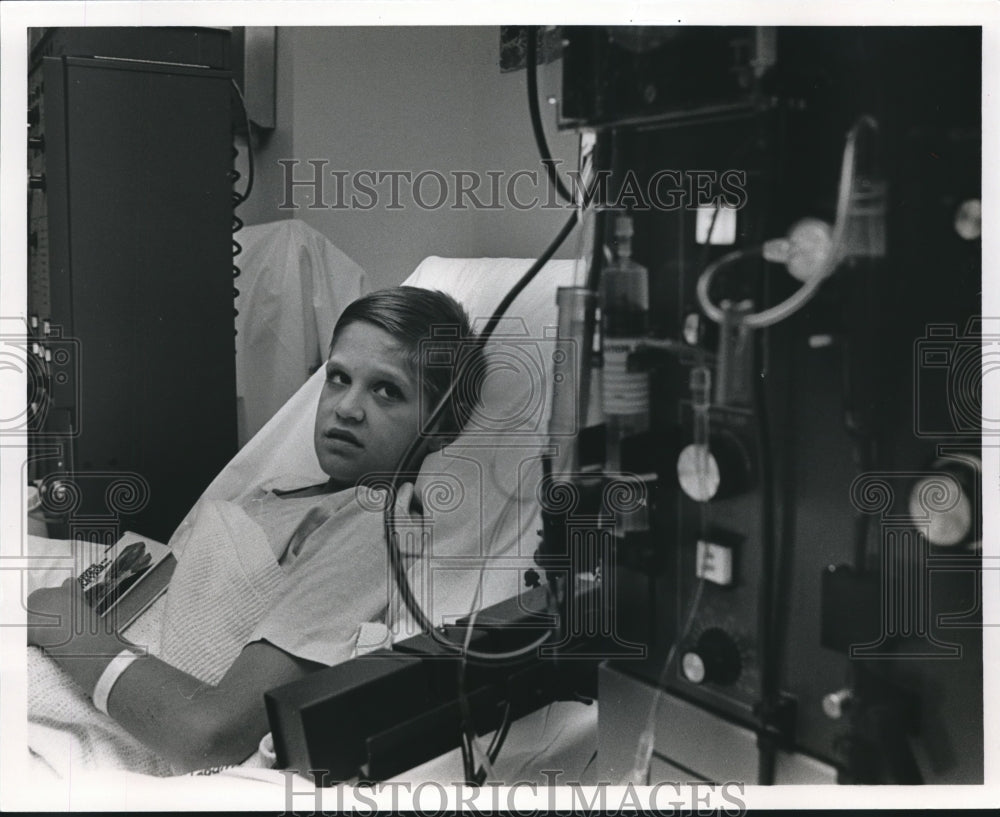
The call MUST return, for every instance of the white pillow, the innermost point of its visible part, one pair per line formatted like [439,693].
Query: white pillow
[479,491]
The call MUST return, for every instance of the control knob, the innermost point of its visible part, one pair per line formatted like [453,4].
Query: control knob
[836,704]
[718,470]
[944,503]
[715,658]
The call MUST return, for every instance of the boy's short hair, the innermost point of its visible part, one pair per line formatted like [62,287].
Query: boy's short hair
[437,331]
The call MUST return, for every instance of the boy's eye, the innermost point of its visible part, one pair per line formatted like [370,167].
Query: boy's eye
[389,391]
[337,377]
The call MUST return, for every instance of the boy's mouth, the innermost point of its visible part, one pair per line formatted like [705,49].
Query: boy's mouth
[342,434]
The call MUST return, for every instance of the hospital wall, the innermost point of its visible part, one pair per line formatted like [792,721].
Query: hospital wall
[406,99]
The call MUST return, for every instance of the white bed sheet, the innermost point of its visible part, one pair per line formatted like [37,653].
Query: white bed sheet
[560,737]
[555,744]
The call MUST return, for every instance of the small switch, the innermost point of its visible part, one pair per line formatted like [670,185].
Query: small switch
[714,563]
[715,225]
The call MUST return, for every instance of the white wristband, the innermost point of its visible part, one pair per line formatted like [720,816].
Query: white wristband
[112,672]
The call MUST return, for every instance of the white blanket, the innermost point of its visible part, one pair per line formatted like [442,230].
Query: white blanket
[221,588]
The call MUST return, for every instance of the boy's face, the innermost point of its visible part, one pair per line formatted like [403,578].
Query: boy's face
[369,408]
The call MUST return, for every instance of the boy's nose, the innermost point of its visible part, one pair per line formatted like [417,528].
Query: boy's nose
[350,408]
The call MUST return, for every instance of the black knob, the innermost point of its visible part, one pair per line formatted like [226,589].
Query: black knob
[715,659]
[36,182]
[34,115]
[36,143]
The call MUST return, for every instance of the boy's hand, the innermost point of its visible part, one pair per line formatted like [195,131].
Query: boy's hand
[56,614]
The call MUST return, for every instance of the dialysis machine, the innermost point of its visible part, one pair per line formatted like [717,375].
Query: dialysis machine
[785,283]
[803,212]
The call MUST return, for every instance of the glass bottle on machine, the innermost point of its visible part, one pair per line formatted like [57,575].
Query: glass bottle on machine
[625,386]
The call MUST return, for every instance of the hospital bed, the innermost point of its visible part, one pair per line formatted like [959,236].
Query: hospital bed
[479,495]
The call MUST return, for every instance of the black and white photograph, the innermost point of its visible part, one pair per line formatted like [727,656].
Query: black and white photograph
[579,408]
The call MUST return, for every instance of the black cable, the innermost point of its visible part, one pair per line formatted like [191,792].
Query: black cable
[483,337]
[600,159]
[496,744]
[468,768]
[237,225]
[395,557]
[536,117]
[786,479]
[526,279]
[765,593]
[465,710]
[493,752]
[237,197]
[250,164]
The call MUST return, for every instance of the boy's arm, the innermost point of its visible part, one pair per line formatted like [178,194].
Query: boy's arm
[188,722]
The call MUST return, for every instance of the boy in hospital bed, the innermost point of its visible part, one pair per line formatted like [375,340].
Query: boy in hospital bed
[325,549]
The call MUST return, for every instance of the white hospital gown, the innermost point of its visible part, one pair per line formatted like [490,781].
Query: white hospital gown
[233,585]
[335,578]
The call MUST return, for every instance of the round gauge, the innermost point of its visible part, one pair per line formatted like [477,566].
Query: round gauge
[944,507]
[810,244]
[698,472]
[969,219]
[693,667]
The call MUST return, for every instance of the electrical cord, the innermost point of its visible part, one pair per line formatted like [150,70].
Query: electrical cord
[405,462]
[493,752]
[496,744]
[767,645]
[396,562]
[465,710]
[250,162]
[536,117]
[237,197]
[587,148]
[395,557]
[468,770]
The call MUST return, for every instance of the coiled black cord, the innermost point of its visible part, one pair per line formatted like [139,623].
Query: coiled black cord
[237,225]
[238,197]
